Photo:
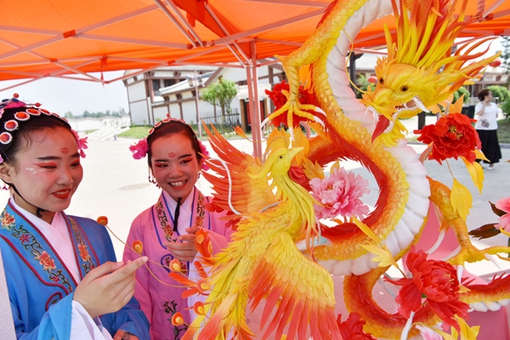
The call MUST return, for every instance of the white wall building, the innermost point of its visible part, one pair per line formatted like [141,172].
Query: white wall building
[172,90]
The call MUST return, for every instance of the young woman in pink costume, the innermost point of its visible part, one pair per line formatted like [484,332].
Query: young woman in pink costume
[167,229]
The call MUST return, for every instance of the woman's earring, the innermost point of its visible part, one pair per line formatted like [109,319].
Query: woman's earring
[150,178]
[199,173]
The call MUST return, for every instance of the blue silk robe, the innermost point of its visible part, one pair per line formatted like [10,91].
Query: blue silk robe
[41,286]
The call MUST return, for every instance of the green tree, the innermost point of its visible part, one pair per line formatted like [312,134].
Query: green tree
[461,91]
[220,94]
[363,84]
[506,108]
[68,115]
[499,91]
[505,54]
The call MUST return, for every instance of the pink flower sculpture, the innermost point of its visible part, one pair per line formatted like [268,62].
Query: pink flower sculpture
[504,220]
[339,194]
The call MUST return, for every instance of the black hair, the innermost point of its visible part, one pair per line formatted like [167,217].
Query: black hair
[16,124]
[170,127]
[482,94]
[9,151]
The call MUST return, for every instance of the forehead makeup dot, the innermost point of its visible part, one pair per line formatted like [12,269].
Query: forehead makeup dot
[171,154]
[64,150]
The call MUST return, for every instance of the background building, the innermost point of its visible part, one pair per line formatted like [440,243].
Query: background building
[173,90]
[176,91]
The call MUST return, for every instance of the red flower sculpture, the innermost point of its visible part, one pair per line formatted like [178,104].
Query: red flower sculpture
[352,328]
[433,284]
[452,136]
[279,99]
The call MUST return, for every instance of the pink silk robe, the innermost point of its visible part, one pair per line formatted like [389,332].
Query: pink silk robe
[159,300]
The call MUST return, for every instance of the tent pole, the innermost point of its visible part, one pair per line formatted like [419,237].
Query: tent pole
[352,69]
[253,98]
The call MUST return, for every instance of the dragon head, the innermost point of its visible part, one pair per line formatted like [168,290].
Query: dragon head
[420,69]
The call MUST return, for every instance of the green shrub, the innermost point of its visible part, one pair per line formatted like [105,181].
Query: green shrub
[461,91]
[506,108]
[499,91]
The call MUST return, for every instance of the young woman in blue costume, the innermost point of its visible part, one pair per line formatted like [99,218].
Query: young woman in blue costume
[167,229]
[62,276]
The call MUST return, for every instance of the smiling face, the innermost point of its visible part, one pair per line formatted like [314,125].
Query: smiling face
[174,164]
[46,171]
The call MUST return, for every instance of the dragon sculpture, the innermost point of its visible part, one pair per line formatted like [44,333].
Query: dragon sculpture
[272,212]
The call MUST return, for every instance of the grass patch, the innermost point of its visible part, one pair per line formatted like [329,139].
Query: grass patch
[139,132]
[136,132]
[504,130]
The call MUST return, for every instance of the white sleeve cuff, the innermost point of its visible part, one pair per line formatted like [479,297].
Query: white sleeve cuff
[84,327]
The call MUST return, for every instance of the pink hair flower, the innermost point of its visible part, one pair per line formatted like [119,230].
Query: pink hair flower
[82,143]
[139,149]
[339,194]
[205,154]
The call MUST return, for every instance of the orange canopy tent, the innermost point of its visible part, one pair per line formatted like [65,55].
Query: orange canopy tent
[56,38]
[72,39]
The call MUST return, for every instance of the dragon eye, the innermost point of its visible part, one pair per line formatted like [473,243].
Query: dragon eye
[381,80]
[404,88]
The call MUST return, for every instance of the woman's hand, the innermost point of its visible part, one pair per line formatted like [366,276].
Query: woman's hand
[185,250]
[108,288]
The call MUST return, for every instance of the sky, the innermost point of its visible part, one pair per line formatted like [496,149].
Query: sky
[63,95]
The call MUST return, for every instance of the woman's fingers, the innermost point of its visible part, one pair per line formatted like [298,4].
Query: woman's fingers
[182,251]
[108,288]
[127,271]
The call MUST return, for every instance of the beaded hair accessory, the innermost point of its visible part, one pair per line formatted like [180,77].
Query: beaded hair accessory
[141,148]
[10,124]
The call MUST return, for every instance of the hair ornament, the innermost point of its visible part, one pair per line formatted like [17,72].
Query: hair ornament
[22,116]
[11,103]
[139,149]
[27,111]
[82,143]
[168,119]
[205,154]
[5,138]
[11,125]
[34,112]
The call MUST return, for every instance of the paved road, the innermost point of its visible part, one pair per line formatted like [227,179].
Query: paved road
[116,185]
